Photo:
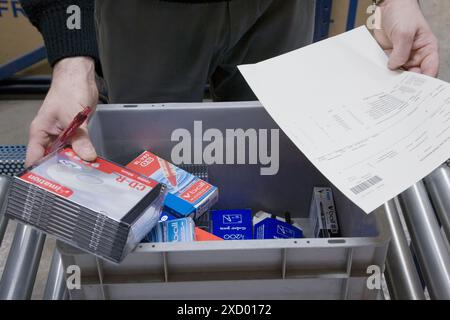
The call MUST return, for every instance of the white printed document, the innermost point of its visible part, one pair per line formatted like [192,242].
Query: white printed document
[371,131]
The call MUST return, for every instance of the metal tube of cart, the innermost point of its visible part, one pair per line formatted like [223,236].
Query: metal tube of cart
[429,245]
[401,273]
[55,288]
[3,226]
[438,185]
[4,182]
[23,261]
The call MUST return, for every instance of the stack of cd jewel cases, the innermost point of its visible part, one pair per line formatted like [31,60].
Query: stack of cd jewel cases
[99,207]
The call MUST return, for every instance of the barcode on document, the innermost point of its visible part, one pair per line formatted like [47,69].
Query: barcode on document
[366,185]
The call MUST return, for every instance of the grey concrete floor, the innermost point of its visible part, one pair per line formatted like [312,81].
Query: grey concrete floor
[15,116]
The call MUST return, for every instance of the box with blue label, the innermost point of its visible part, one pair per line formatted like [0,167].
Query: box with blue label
[173,230]
[272,227]
[165,216]
[156,235]
[179,230]
[188,196]
[232,224]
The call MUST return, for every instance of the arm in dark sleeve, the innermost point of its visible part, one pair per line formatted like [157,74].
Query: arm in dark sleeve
[50,17]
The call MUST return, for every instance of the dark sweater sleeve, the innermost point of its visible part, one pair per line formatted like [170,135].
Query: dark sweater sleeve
[50,17]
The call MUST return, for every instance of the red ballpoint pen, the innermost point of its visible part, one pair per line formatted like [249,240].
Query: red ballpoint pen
[65,136]
[170,174]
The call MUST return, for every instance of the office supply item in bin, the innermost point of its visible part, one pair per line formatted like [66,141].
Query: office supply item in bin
[188,195]
[232,224]
[166,217]
[322,214]
[169,172]
[12,159]
[179,230]
[270,226]
[204,222]
[98,206]
[203,229]
[371,122]
[155,235]
[67,134]
[173,230]
[202,235]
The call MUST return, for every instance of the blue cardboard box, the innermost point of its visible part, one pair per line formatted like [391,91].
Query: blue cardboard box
[165,216]
[172,230]
[232,224]
[179,230]
[271,227]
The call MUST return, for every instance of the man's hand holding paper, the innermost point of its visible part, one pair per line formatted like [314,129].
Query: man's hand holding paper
[371,131]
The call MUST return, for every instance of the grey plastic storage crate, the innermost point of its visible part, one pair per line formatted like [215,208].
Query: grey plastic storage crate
[255,269]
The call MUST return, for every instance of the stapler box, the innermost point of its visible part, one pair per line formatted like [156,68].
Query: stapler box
[324,222]
[188,195]
[232,224]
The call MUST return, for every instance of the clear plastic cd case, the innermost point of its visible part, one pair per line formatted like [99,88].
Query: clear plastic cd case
[99,207]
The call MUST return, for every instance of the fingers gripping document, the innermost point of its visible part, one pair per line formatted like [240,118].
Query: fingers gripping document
[371,131]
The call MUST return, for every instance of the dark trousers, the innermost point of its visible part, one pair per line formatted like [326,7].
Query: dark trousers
[154,51]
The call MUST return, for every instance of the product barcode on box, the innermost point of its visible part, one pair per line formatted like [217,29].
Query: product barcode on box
[366,185]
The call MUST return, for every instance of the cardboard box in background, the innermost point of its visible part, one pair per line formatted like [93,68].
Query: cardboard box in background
[18,37]
[339,15]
